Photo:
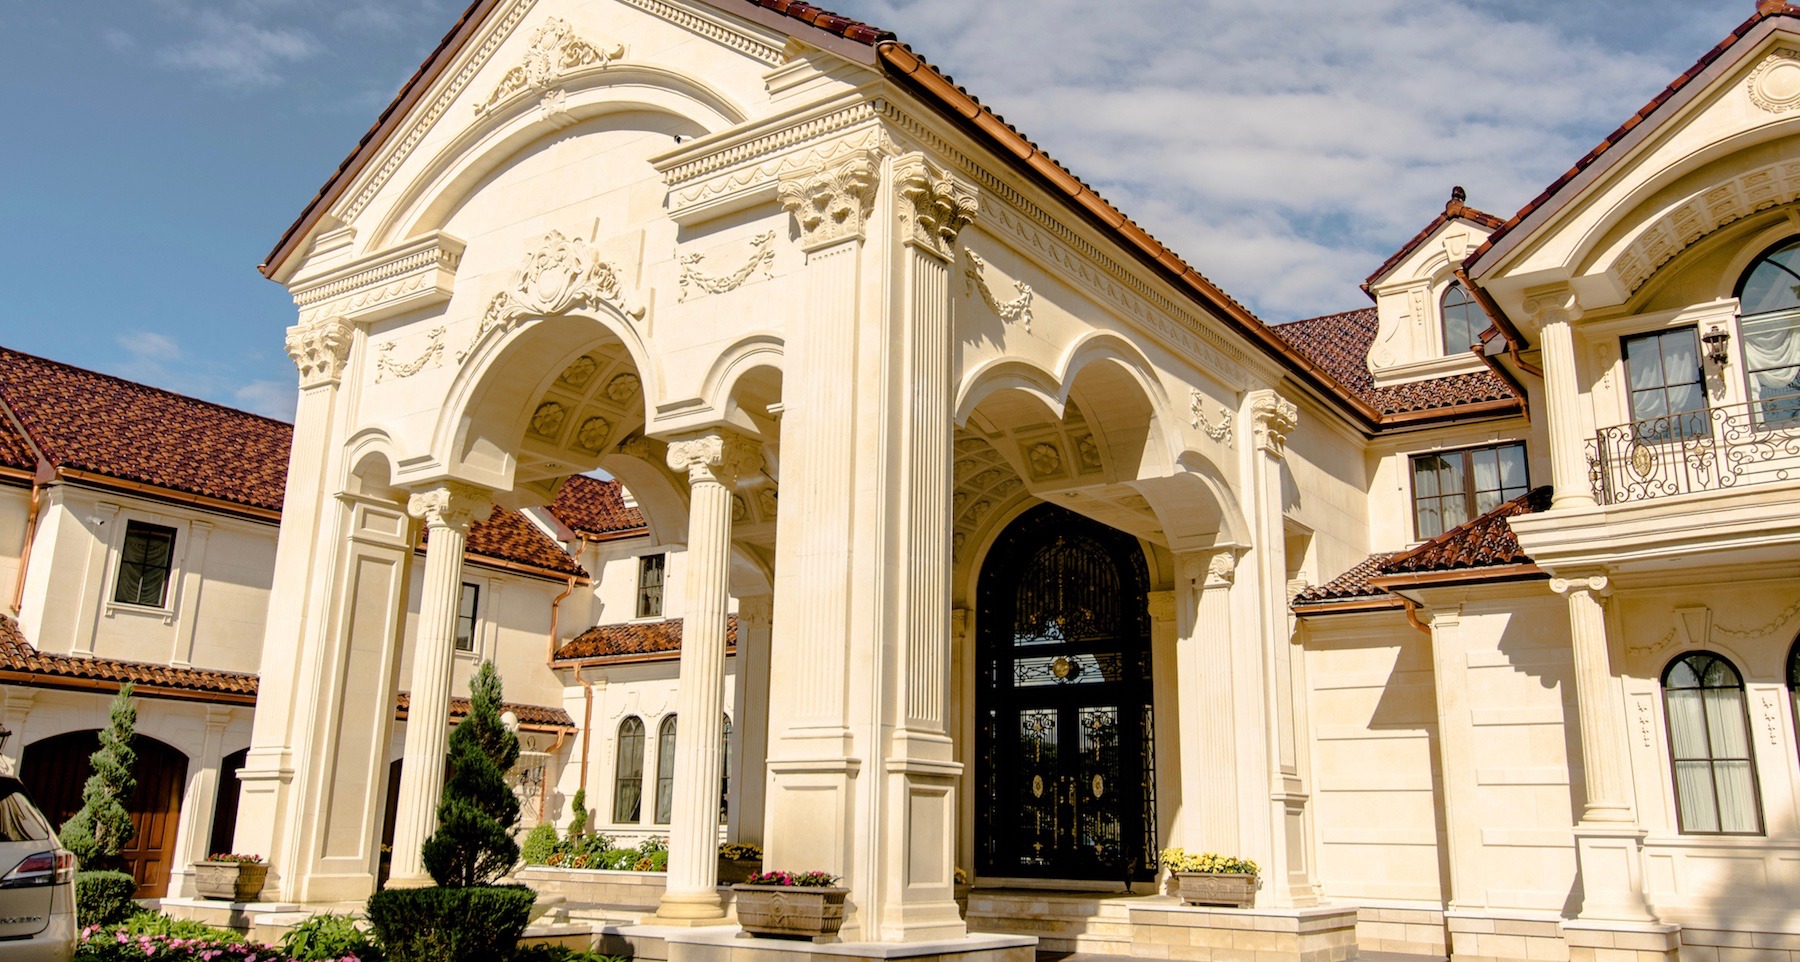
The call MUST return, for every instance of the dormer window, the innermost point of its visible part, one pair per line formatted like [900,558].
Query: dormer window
[1769,299]
[1463,319]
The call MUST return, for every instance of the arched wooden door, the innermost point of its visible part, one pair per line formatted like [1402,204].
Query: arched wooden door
[55,769]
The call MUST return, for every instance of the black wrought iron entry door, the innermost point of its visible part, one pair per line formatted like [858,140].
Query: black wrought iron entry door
[1065,734]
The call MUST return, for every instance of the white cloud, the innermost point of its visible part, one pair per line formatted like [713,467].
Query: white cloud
[1285,152]
[117,40]
[237,51]
[149,346]
[274,399]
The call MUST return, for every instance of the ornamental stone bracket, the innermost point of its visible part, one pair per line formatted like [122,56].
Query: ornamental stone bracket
[561,275]
[934,204]
[555,54]
[320,350]
[722,456]
[832,203]
[408,277]
[1272,418]
[451,504]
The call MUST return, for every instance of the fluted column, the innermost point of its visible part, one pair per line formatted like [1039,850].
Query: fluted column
[1608,841]
[1554,311]
[713,463]
[447,510]
[1209,748]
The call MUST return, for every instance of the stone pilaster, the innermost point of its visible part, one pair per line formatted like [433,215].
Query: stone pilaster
[1554,312]
[199,803]
[749,759]
[1207,671]
[448,510]
[713,462]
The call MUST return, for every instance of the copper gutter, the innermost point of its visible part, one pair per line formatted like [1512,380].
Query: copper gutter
[1347,607]
[31,524]
[555,613]
[1425,579]
[1412,616]
[169,494]
[38,679]
[1515,339]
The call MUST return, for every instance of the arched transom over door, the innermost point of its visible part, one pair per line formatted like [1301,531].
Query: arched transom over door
[1065,732]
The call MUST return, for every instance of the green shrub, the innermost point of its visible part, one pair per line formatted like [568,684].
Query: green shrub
[158,925]
[653,843]
[541,952]
[657,861]
[102,828]
[102,898]
[473,844]
[327,938]
[474,924]
[619,859]
[578,822]
[539,844]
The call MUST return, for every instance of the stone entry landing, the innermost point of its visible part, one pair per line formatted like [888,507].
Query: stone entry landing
[1160,927]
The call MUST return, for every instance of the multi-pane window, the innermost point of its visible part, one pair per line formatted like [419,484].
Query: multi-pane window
[1709,747]
[1450,487]
[628,780]
[1463,319]
[650,585]
[144,565]
[725,772]
[1793,679]
[1668,398]
[466,606]
[665,770]
[1769,299]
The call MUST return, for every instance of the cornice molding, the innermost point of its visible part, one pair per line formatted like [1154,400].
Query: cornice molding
[408,277]
[713,28]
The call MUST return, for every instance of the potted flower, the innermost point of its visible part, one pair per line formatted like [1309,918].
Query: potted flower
[234,878]
[793,905]
[1212,879]
[959,880]
[738,861]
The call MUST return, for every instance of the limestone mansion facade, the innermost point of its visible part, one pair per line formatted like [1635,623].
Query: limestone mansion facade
[993,534]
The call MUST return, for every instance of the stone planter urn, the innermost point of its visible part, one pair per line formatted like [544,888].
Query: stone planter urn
[230,881]
[1234,890]
[790,911]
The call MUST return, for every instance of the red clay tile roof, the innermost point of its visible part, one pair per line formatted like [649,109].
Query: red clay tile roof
[1340,343]
[95,422]
[592,506]
[1350,585]
[1763,12]
[1483,542]
[827,21]
[18,655]
[14,452]
[510,536]
[634,638]
[528,714]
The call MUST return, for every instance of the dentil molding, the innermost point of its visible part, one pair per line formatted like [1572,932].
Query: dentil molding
[407,277]
[562,274]
[1016,308]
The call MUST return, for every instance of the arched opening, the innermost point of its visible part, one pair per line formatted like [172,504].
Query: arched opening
[55,769]
[1064,730]
[1709,747]
[225,805]
[1769,302]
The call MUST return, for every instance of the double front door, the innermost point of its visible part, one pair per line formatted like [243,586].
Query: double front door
[1063,703]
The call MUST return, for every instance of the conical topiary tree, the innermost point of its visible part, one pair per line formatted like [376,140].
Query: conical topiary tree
[474,844]
[102,828]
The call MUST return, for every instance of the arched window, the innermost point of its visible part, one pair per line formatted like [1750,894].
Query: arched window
[628,783]
[665,770]
[1463,319]
[1793,679]
[725,772]
[1709,745]
[1769,300]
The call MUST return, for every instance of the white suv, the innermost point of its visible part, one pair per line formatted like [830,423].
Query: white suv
[37,887]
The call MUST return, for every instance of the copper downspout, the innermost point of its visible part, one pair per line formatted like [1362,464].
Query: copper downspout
[31,523]
[1412,614]
[556,606]
[1515,341]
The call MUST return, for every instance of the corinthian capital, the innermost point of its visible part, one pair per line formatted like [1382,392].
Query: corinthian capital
[831,203]
[1271,418]
[934,205]
[715,456]
[320,350]
[451,504]
[1551,305]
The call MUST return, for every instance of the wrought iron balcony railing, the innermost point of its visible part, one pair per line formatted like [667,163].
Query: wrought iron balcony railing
[1711,450]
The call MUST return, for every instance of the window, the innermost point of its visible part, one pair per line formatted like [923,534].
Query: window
[466,606]
[725,772]
[665,770]
[650,586]
[1793,680]
[1451,487]
[1709,746]
[628,780]
[1769,297]
[1667,397]
[144,565]
[1463,319]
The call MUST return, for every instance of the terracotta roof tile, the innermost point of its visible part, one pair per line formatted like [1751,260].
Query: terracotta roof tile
[633,638]
[1483,542]
[527,714]
[826,20]
[1763,12]
[510,536]
[14,452]
[592,506]
[108,425]
[17,654]
[1352,584]
[1340,343]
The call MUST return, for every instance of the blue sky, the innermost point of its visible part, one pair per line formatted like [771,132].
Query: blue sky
[156,149]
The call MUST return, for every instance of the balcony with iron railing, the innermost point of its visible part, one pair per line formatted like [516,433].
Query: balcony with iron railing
[1713,449]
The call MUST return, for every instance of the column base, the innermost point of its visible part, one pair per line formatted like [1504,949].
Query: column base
[410,882]
[691,909]
[738,947]
[1621,941]
[1610,856]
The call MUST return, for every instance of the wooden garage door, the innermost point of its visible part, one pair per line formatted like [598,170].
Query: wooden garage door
[55,769]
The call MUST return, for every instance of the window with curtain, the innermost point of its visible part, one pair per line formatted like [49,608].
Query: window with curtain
[1769,327]
[1463,319]
[1450,487]
[650,585]
[1668,397]
[725,772]
[665,770]
[144,564]
[628,780]
[466,605]
[1709,747]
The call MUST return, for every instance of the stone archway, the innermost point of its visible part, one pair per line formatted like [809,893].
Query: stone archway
[55,769]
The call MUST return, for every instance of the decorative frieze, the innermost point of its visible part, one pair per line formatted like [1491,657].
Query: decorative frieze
[1016,308]
[934,205]
[408,277]
[1272,417]
[1722,203]
[386,365]
[555,53]
[320,350]
[561,275]
[1221,430]
[832,203]
[762,257]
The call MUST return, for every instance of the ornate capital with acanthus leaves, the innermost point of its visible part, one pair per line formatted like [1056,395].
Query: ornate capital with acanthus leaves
[1552,305]
[451,504]
[320,350]
[832,203]
[934,205]
[1271,418]
[717,456]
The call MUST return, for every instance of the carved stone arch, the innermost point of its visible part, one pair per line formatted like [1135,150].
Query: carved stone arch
[369,463]
[1004,374]
[488,144]
[1195,504]
[762,350]
[661,497]
[1095,349]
